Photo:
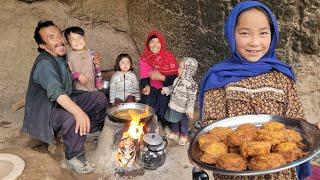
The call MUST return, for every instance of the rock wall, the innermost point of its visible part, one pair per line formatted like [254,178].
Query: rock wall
[195,28]
[105,24]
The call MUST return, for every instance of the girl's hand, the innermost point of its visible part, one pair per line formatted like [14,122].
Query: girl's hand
[146,90]
[83,79]
[100,87]
[97,59]
[166,91]
[317,124]
[190,116]
[156,75]
[163,91]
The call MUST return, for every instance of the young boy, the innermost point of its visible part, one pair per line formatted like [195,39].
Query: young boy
[87,76]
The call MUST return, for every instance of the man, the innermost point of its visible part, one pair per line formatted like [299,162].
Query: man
[51,106]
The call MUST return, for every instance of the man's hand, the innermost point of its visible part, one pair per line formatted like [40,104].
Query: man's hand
[83,79]
[317,124]
[82,123]
[156,75]
[97,59]
[81,118]
[146,90]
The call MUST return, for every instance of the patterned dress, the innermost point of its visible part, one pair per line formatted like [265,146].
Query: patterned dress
[269,93]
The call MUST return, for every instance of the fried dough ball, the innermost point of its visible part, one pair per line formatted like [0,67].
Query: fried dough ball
[292,136]
[255,148]
[275,137]
[231,161]
[209,158]
[247,127]
[215,148]
[267,161]
[283,147]
[289,151]
[235,138]
[221,132]
[212,151]
[207,138]
[273,126]
[217,134]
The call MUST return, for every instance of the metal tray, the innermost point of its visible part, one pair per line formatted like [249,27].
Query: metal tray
[309,133]
[123,106]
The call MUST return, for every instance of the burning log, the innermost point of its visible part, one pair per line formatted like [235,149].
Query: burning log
[126,152]
[118,155]
[129,141]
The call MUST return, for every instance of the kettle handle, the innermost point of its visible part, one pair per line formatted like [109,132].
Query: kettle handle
[165,140]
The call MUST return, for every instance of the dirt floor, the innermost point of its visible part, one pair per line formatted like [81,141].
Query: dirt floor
[41,164]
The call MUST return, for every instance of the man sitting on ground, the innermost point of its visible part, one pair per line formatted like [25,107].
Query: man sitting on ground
[51,106]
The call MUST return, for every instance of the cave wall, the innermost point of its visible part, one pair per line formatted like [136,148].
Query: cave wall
[195,28]
[105,23]
[192,28]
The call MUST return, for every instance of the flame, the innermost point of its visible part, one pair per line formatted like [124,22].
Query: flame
[136,127]
[134,132]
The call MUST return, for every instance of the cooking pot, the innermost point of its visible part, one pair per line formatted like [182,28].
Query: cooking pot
[126,106]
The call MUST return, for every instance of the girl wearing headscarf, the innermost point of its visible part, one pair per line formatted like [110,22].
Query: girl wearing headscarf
[158,68]
[252,80]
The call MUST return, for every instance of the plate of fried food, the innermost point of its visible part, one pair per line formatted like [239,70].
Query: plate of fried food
[254,145]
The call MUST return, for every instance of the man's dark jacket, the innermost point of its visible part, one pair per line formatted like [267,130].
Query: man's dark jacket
[38,107]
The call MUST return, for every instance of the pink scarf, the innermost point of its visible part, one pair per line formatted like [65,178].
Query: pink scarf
[163,61]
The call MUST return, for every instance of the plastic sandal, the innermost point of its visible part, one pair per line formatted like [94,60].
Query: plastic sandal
[183,140]
[172,136]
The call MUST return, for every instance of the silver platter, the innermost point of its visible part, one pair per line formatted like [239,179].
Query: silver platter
[309,133]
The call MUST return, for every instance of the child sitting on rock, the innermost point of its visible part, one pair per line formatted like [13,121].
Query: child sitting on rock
[183,96]
[124,85]
[86,74]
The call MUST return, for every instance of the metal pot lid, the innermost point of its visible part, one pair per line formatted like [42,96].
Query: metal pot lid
[152,139]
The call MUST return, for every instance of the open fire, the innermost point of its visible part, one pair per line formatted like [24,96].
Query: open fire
[130,139]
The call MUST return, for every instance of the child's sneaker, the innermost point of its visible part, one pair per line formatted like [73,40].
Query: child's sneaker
[183,140]
[173,136]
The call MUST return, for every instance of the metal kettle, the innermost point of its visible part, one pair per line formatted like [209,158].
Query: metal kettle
[152,151]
